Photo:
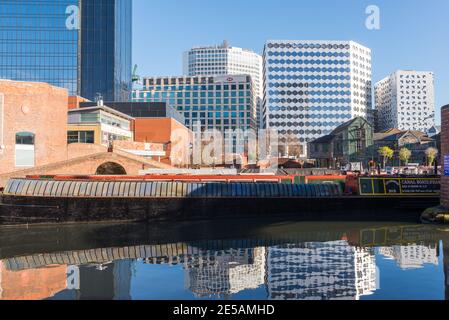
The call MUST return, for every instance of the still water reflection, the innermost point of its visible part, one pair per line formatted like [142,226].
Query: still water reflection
[225,260]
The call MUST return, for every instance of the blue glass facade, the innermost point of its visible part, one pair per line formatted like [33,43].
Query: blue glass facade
[106,41]
[81,45]
[221,102]
[35,43]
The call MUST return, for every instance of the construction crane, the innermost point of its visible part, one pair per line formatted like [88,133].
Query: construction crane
[135,77]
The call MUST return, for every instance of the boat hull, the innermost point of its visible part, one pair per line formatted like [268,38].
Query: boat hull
[47,210]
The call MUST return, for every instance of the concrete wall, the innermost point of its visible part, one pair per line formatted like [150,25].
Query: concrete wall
[33,107]
[444,152]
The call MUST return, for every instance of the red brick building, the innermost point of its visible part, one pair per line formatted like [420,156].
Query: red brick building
[444,154]
[33,125]
[175,136]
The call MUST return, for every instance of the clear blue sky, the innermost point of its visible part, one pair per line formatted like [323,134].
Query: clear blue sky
[414,34]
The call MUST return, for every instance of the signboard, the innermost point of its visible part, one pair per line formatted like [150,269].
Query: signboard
[399,186]
[356,166]
[446,165]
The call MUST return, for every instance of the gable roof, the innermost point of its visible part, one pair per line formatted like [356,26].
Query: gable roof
[324,139]
[347,124]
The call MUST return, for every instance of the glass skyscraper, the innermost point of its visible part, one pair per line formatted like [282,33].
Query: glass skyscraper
[81,45]
[106,41]
[35,43]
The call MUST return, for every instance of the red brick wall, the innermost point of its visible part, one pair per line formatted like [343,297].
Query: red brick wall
[444,151]
[38,108]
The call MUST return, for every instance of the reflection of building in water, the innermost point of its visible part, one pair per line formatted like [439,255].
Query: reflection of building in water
[220,272]
[411,256]
[111,281]
[329,270]
[32,284]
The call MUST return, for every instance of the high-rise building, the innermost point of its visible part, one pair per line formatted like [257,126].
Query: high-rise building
[106,42]
[312,87]
[225,60]
[212,102]
[81,45]
[405,100]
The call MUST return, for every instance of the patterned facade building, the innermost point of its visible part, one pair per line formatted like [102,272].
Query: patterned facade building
[312,87]
[405,100]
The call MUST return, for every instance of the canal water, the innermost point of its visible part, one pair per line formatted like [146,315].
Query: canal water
[243,259]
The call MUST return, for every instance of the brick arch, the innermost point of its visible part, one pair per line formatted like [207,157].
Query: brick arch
[88,165]
[110,168]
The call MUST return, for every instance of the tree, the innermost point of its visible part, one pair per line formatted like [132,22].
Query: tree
[431,154]
[386,153]
[405,155]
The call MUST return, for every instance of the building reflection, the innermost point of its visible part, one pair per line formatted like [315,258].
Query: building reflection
[32,284]
[317,271]
[110,281]
[285,270]
[412,256]
[220,273]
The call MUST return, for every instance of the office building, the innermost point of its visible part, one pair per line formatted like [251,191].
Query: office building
[81,45]
[225,60]
[216,102]
[312,87]
[405,100]
[98,125]
[156,123]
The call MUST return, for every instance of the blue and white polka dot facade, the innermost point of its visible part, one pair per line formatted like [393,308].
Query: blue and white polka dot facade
[311,87]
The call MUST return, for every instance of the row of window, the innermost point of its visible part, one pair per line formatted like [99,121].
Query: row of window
[195,94]
[275,100]
[311,85]
[308,93]
[308,46]
[212,108]
[324,62]
[225,87]
[212,124]
[308,116]
[217,114]
[310,108]
[311,69]
[308,54]
[308,77]
[333,124]
[189,102]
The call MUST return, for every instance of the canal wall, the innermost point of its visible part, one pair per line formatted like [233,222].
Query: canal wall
[444,155]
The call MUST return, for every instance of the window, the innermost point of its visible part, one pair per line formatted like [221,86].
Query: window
[25,149]
[93,117]
[80,137]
